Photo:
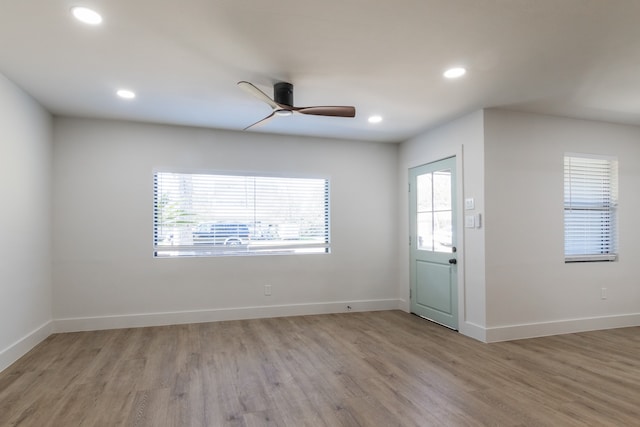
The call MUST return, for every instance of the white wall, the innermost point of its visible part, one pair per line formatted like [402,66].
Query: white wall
[104,272]
[25,219]
[530,290]
[463,138]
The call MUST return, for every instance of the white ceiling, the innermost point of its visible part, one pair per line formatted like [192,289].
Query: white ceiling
[578,58]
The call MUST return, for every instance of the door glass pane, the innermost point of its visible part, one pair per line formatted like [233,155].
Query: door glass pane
[425,192]
[425,231]
[442,190]
[434,211]
[442,232]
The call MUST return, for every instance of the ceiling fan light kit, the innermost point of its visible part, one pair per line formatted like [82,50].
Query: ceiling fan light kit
[282,103]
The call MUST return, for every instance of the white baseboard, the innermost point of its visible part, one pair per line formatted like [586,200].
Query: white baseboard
[533,330]
[202,316]
[24,344]
[493,334]
[474,331]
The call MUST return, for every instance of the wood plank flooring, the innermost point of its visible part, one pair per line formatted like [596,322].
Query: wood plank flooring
[355,369]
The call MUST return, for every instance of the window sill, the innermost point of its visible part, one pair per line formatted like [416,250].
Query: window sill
[591,258]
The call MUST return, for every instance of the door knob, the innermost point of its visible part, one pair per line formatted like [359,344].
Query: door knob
[453,261]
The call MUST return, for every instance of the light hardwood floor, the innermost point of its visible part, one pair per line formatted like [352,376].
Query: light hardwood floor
[357,369]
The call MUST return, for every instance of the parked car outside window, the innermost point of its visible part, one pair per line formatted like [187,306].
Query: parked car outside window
[222,233]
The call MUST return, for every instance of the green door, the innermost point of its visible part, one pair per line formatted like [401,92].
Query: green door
[434,284]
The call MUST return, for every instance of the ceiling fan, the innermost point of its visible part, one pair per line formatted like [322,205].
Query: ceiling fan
[282,103]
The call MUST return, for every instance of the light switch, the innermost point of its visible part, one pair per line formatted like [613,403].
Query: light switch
[469,221]
[469,203]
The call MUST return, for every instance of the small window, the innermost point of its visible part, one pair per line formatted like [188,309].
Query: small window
[227,214]
[590,208]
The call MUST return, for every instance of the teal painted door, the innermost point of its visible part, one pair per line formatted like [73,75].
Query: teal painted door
[432,208]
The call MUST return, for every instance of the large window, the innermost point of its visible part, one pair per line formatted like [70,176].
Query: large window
[590,208]
[227,214]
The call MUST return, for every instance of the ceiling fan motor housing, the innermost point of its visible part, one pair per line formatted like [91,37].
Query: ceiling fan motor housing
[283,93]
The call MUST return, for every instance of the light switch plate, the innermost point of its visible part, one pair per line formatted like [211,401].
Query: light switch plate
[469,203]
[469,221]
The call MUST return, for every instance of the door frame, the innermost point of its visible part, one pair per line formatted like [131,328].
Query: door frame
[459,227]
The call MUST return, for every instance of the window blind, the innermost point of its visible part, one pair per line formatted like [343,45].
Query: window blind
[590,208]
[227,214]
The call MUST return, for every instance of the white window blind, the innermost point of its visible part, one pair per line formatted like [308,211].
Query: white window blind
[226,214]
[590,208]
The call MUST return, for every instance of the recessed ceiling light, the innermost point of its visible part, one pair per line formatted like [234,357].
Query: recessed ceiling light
[375,119]
[126,94]
[454,73]
[86,15]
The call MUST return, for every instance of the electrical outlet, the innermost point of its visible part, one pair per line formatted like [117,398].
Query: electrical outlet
[267,290]
[603,293]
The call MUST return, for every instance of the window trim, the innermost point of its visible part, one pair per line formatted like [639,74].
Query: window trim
[182,251]
[611,208]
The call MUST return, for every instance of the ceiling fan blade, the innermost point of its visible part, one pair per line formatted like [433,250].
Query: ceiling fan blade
[249,88]
[327,111]
[262,121]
